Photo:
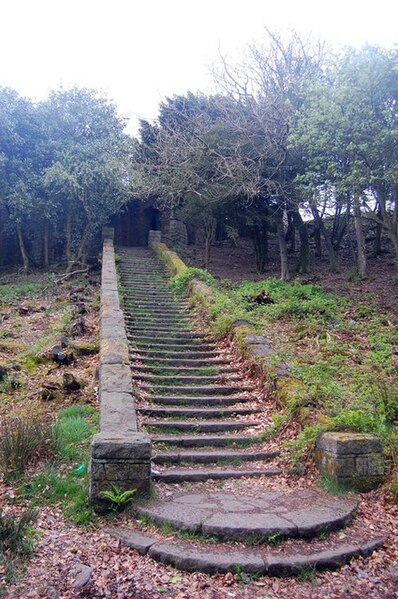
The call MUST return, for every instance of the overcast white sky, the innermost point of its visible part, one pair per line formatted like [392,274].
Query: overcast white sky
[138,51]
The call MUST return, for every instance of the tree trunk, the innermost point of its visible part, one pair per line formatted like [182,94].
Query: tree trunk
[378,233]
[291,232]
[22,249]
[45,248]
[80,252]
[210,224]
[68,232]
[326,236]
[260,242]
[301,226]
[361,249]
[282,246]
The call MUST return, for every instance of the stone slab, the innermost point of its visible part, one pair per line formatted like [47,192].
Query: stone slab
[135,446]
[114,351]
[227,515]
[342,443]
[132,539]
[190,558]
[115,377]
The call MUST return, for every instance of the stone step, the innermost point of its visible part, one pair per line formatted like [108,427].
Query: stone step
[181,475]
[173,400]
[157,302]
[171,344]
[166,309]
[196,412]
[165,333]
[199,426]
[212,559]
[171,340]
[246,517]
[211,457]
[155,320]
[204,355]
[199,389]
[179,379]
[187,362]
[182,371]
[202,440]
[161,322]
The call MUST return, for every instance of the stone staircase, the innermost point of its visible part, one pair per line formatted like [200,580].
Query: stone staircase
[207,423]
[193,400]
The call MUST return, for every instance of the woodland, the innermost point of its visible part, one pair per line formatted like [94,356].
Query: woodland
[296,133]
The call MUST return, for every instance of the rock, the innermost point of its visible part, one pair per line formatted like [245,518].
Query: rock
[15,384]
[70,382]
[61,356]
[50,391]
[64,341]
[3,372]
[78,328]
[81,575]
[81,308]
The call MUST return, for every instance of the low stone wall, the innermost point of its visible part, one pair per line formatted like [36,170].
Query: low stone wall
[120,455]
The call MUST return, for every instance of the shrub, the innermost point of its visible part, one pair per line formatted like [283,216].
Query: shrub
[20,440]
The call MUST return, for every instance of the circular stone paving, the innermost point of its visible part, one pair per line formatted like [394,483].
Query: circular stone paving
[303,513]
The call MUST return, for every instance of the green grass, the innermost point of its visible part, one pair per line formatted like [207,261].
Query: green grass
[27,288]
[65,481]
[16,542]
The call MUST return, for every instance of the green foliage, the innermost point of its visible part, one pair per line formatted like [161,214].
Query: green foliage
[20,440]
[14,533]
[65,482]
[27,288]
[393,487]
[16,541]
[180,281]
[118,497]
[50,486]
[72,431]
[329,484]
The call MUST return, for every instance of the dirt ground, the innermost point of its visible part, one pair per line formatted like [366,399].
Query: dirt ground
[238,263]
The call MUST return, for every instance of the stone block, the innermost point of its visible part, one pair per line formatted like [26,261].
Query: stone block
[117,413]
[108,233]
[114,351]
[349,443]
[133,447]
[354,460]
[115,377]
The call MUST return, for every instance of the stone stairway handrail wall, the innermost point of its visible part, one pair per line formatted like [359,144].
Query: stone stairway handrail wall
[120,456]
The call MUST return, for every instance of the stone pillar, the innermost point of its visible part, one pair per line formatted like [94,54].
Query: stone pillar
[154,237]
[120,455]
[108,233]
[353,460]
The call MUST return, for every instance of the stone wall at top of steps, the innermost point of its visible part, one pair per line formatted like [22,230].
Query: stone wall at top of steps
[120,456]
